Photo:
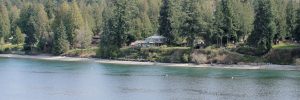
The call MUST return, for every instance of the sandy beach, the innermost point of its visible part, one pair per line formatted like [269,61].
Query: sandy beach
[105,61]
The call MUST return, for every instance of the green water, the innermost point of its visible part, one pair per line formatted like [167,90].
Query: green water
[23,79]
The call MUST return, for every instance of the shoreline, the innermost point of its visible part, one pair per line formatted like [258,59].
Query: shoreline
[183,65]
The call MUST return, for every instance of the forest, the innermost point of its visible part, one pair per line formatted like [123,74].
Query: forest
[251,27]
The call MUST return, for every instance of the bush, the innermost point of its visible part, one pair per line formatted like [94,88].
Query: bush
[9,48]
[220,56]
[251,51]
[156,54]
[81,52]
[283,56]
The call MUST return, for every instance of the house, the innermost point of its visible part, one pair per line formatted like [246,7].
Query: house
[152,41]
[155,40]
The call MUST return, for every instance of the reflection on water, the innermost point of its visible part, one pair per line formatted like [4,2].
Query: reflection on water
[53,80]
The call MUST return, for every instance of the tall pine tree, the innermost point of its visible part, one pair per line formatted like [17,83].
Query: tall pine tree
[61,45]
[230,21]
[264,27]
[297,29]
[165,28]
[191,27]
[42,28]
[291,18]
[4,24]
[28,25]
[74,23]
[280,21]
[114,31]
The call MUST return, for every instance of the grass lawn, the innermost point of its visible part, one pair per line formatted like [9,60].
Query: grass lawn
[82,52]
[286,46]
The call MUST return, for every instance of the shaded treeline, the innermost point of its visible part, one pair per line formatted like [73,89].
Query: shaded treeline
[55,26]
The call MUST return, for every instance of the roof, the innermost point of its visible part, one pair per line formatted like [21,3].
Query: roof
[155,39]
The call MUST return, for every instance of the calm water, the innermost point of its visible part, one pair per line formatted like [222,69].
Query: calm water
[23,79]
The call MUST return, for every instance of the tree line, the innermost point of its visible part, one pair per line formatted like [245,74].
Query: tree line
[56,26]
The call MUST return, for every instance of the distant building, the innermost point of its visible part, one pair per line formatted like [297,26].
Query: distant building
[152,41]
[155,40]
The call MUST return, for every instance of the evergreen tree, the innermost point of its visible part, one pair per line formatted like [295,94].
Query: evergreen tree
[230,20]
[245,16]
[84,37]
[218,26]
[42,26]
[27,24]
[61,45]
[191,27]
[121,24]
[115,30]
[176,19]
[291,16]
[74,23]
[108,48]
[62,14]
[97,14]
[280,21]
[264,27]
[4,24]
[297,29]
[18,37]
[165,28]
[50,8]
[34,23]
[14,17]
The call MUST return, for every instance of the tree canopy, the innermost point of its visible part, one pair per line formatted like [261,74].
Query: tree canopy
[256,23]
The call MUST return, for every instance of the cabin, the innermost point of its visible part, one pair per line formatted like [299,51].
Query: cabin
[155,41]
[152,41]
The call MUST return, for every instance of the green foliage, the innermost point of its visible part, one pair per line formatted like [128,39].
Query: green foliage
[276,56]
[115,30]
[84,37]
[165,28]
[166,54]
[18,37]
[74,22]
[120,22]
[291,16]
[264,27]
[4,24]
[27,25]
[192,25]
[61,45]
[42,27]
[251,51]
[9,48]
[50,8]
[297,29]
[280,19]
[230,20]
[14,18]
[90,52]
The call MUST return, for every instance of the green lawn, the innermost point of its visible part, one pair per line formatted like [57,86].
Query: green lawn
[286,46]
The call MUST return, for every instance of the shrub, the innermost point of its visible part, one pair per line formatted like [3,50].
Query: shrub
[251,51]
